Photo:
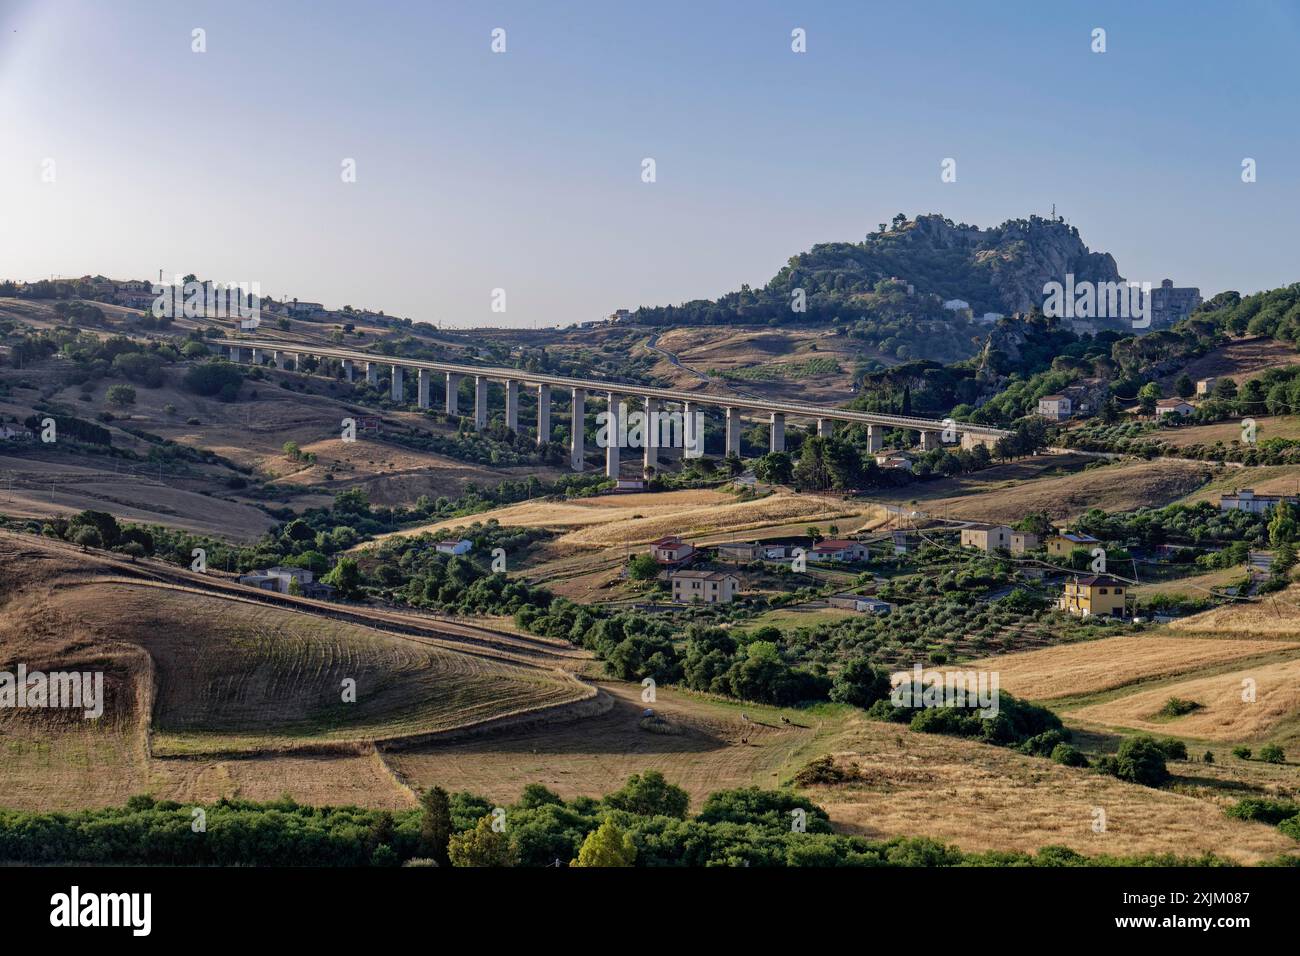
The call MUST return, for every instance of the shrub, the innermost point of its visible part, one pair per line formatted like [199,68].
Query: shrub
[1264,810]
[1142,760]
[121,395]
[1272,753]
[1174,749]
[1177,707]
[1068,756]
[1243,752]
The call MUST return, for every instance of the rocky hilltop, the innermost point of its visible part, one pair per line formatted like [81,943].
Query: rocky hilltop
[909,267]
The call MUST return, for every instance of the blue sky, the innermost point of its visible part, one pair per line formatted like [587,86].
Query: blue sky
[522,170]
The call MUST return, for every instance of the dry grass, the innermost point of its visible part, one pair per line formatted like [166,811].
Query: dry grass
[594,756]
[1094,666]
[1274,616]
[990,798]
[614,520]
[1008,492]
[1223,715]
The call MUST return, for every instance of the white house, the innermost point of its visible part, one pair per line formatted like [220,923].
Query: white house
[705,587]
[1247,500]
[1173,406]
[839,550]
[1056,407]
[986,537]
[1204,386]
[672,550]
[461,546]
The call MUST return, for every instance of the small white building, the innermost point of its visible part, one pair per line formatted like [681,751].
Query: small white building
[860,603]
[704,587]
[672,550]
[839,550]
[1056,407]
[461,546]
[986,537]
[1247,500]
[1173,406]
[1204,386]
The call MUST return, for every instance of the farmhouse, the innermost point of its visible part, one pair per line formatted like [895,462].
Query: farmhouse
[838,550]
[986,537]
[1204,386]
[705,587]
[905,542]
[1173,406]
[1097,594]
[1247,500]
[1062,545]
[1023,542]
[672,550]
[460,546]
[860,603]
[1056,407]
[741,551]
[287,581]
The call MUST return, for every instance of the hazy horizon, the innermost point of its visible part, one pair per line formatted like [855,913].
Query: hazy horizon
[522,170]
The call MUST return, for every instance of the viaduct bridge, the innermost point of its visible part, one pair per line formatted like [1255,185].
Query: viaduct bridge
[654,399]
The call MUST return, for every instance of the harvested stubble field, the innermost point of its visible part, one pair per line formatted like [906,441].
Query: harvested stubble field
[233,676]
[192,673]
[1091,667]
[991,798]
[1008,492]
[614,520]
[1223,715]
[595,755]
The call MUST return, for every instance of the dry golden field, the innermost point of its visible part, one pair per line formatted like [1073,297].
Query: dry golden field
[1223,715]
[1008,492]
[1090,667]
[617,520]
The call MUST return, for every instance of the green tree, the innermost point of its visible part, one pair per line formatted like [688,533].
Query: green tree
[607,845]
[291,450]
[435,825]
[481,846]
[1141,760]
[650,795]
[121,395]
[775,468]
[1148,395]
[1185,387]
[1282,526]
[642,567]
[345,578]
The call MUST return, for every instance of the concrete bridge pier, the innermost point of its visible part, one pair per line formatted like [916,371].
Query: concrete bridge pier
[512,405]
[279,359]
[733,432]
[777,442]
[929,440]
[372,373]
[543,414]
[650,461]
[578,429]
[349,370]
[397,389]
[453,395]
[825,428]
[692,437]
[235,354]
[875,437]
[422,387]
[480,402]
[612,434]
[257,356]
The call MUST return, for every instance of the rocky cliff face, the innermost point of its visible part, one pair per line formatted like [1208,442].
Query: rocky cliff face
[1020,256]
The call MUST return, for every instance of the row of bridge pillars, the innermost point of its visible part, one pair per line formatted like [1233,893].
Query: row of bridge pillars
[577,441]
